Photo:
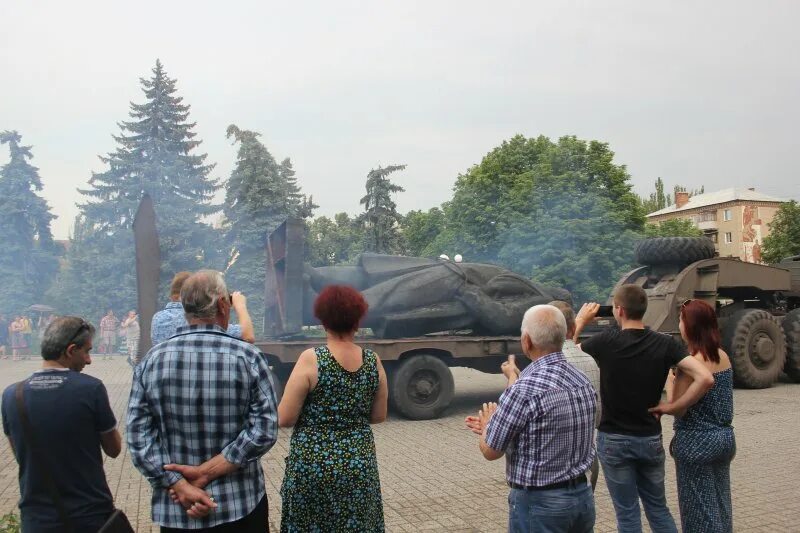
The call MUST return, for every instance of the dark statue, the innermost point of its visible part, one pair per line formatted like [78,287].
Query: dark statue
[413,296]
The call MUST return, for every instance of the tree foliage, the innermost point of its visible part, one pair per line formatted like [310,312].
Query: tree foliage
[260,194]
[676,227]
[155,154]
[561,212]
[28,261]
[336,241]
[380,218]
[784,234]
[420,229]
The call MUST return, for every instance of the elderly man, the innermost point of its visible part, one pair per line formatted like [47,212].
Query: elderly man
[70,422]
[544,425]
[204,398]
[167,321]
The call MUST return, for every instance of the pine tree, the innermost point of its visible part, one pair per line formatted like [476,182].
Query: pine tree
[260,194]
[155,155]
[28,261]
[380,218]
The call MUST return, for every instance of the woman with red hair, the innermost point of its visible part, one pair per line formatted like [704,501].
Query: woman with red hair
[333,395]
[704,445]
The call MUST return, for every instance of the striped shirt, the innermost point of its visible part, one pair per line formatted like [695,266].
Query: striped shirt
[545,423]
[194,396]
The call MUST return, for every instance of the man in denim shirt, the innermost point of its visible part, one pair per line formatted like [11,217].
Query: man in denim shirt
[167,321]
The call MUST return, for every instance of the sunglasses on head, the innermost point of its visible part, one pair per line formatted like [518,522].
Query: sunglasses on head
[84,326]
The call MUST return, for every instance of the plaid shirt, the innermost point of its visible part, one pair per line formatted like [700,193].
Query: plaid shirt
[195,396]
[167,321]
[545,423]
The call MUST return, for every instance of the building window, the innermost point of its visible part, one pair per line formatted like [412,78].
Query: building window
[707,216]
[714,238]
[727,215]
[728,237]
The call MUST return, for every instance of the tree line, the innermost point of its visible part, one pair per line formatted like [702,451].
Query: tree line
[559,211]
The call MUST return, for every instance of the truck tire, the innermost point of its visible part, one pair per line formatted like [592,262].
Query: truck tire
[791,326]
[280,375]
[673,250]
[421,387]
[756,345]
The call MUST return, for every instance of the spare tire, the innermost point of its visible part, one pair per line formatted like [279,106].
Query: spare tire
[791,326]
[756,346]
[673,250]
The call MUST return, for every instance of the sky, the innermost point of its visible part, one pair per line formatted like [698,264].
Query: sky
[698,93]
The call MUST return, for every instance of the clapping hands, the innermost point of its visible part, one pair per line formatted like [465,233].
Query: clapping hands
[476,424]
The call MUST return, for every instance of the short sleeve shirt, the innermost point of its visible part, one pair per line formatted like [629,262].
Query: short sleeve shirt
[68,411]
[633,369]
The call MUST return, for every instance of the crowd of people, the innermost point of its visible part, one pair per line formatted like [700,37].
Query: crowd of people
[21,334]
[203,411]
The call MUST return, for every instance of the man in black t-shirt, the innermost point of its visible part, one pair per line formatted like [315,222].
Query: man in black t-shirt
[634,362]
[71,420]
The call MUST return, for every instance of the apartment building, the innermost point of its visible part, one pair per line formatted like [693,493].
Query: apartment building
[737,220]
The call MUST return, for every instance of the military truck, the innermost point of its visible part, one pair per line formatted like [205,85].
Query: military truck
[758,306]
[418,368]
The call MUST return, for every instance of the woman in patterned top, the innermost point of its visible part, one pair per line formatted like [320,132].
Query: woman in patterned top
[704,445]
[332,396]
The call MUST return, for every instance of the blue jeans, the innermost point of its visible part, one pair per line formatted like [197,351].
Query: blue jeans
[568,510]
[634,468]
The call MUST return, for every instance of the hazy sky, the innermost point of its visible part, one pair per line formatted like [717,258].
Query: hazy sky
[700,93]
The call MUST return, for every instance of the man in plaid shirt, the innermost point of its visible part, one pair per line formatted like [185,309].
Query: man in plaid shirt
[544,425]
[202,412]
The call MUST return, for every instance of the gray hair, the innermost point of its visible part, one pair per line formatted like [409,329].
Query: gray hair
[62,332]
[545,326]
[200,294]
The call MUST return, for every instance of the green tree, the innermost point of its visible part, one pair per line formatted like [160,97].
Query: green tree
[784,234]
[657,200]
[676,227]
[260,194]
[380,218]
[516,181]
[420,229]
[155,155]
[335,242]
[29,260]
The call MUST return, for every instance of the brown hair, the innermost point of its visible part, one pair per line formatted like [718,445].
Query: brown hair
[633,299]
[177,283]
[567,311]
[702,331]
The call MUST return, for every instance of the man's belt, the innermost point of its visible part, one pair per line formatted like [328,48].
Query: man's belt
[568,484]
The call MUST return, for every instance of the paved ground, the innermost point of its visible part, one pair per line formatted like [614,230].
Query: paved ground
[434,478]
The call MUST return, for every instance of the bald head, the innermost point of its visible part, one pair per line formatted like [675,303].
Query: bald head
[545,327]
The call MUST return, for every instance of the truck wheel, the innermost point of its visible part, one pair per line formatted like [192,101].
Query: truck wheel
[791,325]
[673,250]
[280,375]
[755,343]
[421,387]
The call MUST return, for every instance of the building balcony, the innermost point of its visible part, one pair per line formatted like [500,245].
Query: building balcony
[707,225]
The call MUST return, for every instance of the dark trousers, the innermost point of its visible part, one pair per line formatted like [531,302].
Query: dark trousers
[256,522]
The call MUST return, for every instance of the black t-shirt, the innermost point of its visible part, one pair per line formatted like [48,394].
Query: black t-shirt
[633,369]
[68,411]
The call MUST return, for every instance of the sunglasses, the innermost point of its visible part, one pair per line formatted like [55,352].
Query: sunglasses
[686,302]
[84,326]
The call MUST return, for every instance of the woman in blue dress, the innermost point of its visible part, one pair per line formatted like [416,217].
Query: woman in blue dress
[704,445]
[332,396]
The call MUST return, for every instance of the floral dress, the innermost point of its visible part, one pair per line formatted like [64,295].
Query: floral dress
[331,481]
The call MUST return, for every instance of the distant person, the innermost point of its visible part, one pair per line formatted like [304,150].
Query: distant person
[202,413]
[544,425]
[634,362]
[4,336]
[72,422]
[27,331]
[704,445]
[108,333]
[18,344]
[167,321]
[333,395]
[130,327]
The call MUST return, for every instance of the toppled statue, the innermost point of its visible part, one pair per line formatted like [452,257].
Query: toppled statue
[414,296]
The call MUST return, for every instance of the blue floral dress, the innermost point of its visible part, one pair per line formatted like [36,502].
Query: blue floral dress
[331,481]
[703,448]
